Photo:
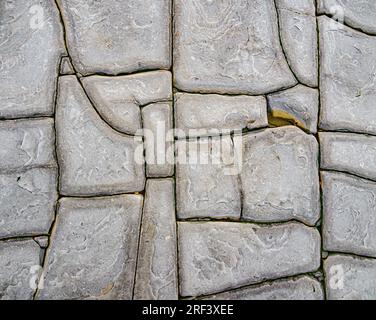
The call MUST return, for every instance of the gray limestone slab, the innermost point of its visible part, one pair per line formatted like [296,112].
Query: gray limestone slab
[228,47]
[118,36]
[279,177]
[93,249]
[156,276]
[27,202]
[218,256]
[94,159]
[66,67]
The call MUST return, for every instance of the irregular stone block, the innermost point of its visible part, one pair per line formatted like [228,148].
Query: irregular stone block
[156,277]
[353,153]
[350,278]
[218,256]
[66,66]
[157,119]
[348,82]
[299,38]
[27,202]
[349,210]
[299,105]
[279,177]
[94,159]
[19,266]
[42,241]
[300,288]
[359,14]
[228,47]
[118,36]
[93,249]
[26,143]
[205,188]
[211,113]
[31,46]
[118,99]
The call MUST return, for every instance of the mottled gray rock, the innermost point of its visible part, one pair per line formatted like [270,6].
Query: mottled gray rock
[66,66]
[299,105]
[93,249]
[31,44]
[218,256]
[204,187]
[42,241]
[348,78]
[353,153]
[118,36]
[349,211]
[299,38]
[228,47]
[27,202]
[156,276]
[118,99]
[157,119]
[350,278]
[94,159]
[19,261]
[279,177]
[300,288]
[26,143]
[358,14]
[212,113]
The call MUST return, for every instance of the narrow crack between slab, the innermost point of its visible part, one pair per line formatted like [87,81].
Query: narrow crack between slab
[344,172]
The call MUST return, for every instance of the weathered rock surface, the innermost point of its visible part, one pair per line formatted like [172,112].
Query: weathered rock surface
[353,153]
[214,114]
[350,278]
[156,276]
[93,249]
[42,241]
[66,67]
[93,158]
[299,38]
[18,260]
[217,256]
[279,177]
[358,14]
[300,288]
[26,144]
[349,211]
[228,47]
[299,105]
[118,36]
[159,139]
[348,78]
[118,99]
[31,45]
[27,202]
[204,187]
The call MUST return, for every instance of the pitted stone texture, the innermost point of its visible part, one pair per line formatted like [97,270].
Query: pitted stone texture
[348,78]
[115,37]
[228,47]
[279,177]
[350,278]
[27,202]
[31,44]
[205,186]
[352,153]
[299,105]
[66,66]
[93,249]
[218,256]
[300,288]
[299,38]
[18,260]
[93,158]
[156,277]
[159,139]
[358,14]
[349,210]
[118,99]
[26,143]
[214,114]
